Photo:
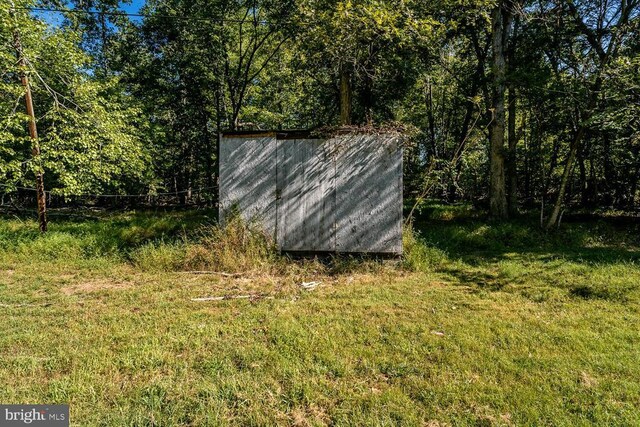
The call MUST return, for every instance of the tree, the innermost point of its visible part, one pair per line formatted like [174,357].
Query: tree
[363,52]
[501,21]
[602,29]
[86,126]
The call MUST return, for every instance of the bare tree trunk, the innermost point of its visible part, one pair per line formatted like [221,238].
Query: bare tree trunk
[527,167]
[573,150]
[512,169]
[604,58]
[345,96]
[609,172]
[498,208]
[584,187]
[634,185]
[431,117]
[33,130]
[219,114]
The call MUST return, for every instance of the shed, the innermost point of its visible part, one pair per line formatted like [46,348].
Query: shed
[340,193]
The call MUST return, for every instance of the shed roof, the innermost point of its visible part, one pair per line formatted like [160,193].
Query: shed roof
[279,134]
[319,133]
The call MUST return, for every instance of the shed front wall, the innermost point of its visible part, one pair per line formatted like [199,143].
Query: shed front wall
[368,194]
[306,195]
[343,194]
[248,180]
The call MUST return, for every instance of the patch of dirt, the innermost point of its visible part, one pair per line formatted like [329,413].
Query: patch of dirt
[298,418]
[95,286]
[587,380]
[311,415]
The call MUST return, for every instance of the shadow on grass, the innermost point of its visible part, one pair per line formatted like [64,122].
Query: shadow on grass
[92,233]
[595,258]
[477,242]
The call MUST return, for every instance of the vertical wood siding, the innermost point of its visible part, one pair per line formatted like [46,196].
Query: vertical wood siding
[306,195]
[368,194]
[248,180]
[343,194]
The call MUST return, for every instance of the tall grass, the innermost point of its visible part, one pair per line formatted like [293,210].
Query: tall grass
[236,246]
[419,256]
[583,260]
[243,247]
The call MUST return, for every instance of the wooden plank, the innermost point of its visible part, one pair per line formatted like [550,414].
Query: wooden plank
[248,180]
[311,195]
[306,195]
[368,193]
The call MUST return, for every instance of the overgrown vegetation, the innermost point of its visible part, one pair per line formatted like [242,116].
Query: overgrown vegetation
[515,103]
[480,324]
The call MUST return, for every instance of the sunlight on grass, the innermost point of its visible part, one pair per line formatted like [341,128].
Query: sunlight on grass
[473,327]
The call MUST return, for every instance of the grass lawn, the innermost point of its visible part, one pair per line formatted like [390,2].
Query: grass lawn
[481,324]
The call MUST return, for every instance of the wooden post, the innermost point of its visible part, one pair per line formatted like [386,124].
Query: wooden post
[33,130]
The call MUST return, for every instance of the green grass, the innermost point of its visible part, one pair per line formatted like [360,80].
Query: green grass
[481,324]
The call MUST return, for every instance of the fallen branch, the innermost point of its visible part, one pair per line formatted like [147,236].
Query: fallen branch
[219,273]
[309,285]
[226,297]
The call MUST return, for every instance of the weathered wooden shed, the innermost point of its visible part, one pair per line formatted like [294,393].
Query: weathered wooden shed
[341,193]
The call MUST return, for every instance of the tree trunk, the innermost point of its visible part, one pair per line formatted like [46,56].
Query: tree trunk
[33,130]
[605,57]
[219,114]
[512,169]
[573,150]
[610,177]
[634,183]
[584,188]
[345,96]
[498,208]
[431,117]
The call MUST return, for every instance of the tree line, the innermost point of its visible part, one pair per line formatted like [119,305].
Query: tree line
[511,104]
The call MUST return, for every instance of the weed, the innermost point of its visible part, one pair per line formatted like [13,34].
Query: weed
[236,246]
[418,254]
[160,256]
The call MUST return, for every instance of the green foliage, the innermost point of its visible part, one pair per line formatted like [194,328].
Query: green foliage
[88,128]
[159,256]
[136,106]
[89,239]
[232,248]
[419,255]
[373,42]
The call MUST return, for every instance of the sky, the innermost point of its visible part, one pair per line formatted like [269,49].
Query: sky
[133,7]
[56,19]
